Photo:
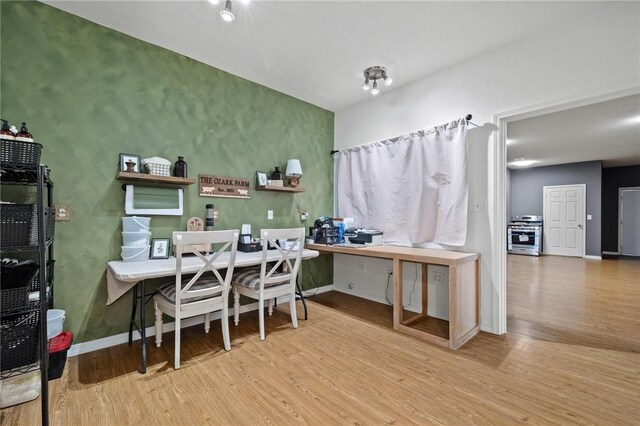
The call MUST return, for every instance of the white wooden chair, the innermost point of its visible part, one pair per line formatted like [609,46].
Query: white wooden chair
[264,282]
[201,294]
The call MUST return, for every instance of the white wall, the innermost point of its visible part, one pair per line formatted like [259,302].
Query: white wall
[591,55]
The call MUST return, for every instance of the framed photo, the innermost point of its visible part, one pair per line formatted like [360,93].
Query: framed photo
[261,178]
[129,163]
[160,248]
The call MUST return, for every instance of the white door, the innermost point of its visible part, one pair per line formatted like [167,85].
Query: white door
[564,219]
[629,234]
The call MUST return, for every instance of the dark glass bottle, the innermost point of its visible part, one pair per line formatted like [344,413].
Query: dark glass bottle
[180,169]
[24,134]
[277,174]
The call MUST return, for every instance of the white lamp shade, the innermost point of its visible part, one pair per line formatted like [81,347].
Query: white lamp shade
[293,168]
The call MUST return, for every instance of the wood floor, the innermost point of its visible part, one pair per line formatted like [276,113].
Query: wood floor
[345,365]
[576,301]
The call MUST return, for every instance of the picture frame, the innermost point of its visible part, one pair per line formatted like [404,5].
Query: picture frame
[261,178]
[160,248]
[124,158]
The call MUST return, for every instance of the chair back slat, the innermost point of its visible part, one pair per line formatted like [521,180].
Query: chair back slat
[276,238]
[187,242]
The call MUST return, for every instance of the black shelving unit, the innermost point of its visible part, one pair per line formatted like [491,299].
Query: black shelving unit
[24,344]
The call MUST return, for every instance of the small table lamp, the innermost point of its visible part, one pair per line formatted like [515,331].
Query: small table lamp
[294,172]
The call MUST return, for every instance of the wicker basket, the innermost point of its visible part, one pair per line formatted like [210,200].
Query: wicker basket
[15,224]
[19,340]
[20,154]
[14,298]
[158,169]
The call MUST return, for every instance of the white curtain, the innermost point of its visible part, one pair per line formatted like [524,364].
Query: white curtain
[412,187]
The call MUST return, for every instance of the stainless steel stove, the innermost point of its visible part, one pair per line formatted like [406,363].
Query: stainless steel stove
[524,235]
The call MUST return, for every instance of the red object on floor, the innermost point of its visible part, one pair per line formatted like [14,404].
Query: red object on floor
[61,342]
[58,347]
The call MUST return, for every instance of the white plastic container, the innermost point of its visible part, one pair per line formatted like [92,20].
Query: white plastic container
[136,224]
[135,239]
[135,254]
[55,320]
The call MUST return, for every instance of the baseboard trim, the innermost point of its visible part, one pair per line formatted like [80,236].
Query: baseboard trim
[615,253]
[118,339]
[588,256]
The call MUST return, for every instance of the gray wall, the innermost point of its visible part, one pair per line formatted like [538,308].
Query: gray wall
[527,197]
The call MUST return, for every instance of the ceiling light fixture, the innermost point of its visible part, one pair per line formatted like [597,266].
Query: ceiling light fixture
[226,13]
[375,73]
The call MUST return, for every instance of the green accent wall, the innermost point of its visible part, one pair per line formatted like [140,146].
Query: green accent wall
[89,93]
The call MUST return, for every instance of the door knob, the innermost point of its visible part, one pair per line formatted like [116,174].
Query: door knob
[580,226]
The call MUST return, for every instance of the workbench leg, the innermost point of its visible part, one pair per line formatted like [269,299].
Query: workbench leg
[143,333]
[397,293]
[133,312]
[425,289]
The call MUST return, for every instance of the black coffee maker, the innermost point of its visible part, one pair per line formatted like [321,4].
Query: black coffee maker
[323,231]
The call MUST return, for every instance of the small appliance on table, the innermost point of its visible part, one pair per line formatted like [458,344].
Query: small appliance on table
[524,235]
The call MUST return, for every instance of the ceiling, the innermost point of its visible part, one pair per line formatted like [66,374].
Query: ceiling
[317,50]
[607,131]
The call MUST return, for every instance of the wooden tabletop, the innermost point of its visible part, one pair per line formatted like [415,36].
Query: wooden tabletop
[411,254]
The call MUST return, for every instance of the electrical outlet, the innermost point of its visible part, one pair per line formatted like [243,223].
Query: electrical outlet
[438,277]
[351,286]
[63,212]
[304,215]
[216,215]
[270,214]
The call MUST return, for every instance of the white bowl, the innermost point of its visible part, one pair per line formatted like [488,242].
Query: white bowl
[135,254]
[135,239]
[136,224]
[55,320]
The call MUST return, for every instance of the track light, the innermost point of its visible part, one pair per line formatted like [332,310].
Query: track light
[375,73]
[374,90]
[226,13]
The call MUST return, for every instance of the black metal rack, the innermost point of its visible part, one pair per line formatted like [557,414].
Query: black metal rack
[27,324]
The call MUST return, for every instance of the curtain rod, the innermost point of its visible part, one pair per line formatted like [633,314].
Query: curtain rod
[467,117]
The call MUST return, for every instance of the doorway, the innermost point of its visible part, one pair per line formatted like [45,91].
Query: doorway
[629,222]
[498,191]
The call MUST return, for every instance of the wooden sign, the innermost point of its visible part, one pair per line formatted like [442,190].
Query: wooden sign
[223,186]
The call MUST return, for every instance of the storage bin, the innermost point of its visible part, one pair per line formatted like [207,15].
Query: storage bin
[20,154]
[55,321]
[136,224]
[58,348]
[135,254]
[249,247]
[15,224]
[19,340]
[135,239]
[14,298]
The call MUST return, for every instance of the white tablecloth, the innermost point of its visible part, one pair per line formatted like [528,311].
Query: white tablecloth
[122,276]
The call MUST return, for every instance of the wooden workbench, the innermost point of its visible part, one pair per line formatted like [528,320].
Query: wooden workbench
[464,273]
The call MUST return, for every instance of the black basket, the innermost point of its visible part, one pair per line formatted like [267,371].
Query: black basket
[19,340]
[20,154]
[50,215]
[15,224]
[249,247]
[14,298]
[34,284]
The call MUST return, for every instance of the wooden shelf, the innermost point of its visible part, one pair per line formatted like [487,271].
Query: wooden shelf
[143,177]
[279,188]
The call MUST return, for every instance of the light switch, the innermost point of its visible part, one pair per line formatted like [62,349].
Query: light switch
[588,217]
[270,214]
